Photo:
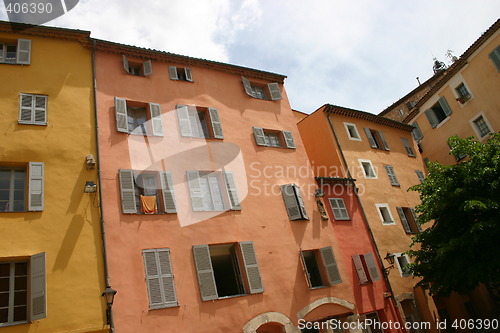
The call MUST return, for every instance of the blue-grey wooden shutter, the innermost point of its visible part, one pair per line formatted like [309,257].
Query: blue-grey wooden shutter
[184,122]
[301,202]
[189,75]
[444,104]
[408,148]
[147,68]
[167,187]
[127,191]
[495,57]
[260,138]
[360,270]
[159,278]
[291,204]
[330,265]
[234,201]
[412,210]
[205,272]
[216,123]
[420,175]
[172,72]
[391,174]
[248,87]
[290,143]
[121,115]
[38,287]
[36,186]
[274,91]
[370,137]
[155,114]
[404,221]
[431,116]
[251,267]
[384,142]
[125,64]
[23,55]
[338,208]
[416,133]
[195,192]
[372,267]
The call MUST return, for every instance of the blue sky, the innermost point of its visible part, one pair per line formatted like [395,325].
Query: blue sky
[362,54]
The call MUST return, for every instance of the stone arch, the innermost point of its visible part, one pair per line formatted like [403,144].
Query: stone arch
[267,317]
[326,300]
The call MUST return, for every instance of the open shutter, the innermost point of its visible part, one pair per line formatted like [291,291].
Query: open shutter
[36,187]
[127,191]
[40,110]
[289,139]
[26,108]
[167,187]
[412,210]
[251,267]
[416,133]
[155,113]
[372,267]
[391,174]
[206,278]
[121,115]
[248,87]
[23,51]
[360,270]
[409,149]
[260,138]
[301,202]
[495,57]
[189,76]
[38,287]
[172,72]
[125,64]
[420,175]
[292,206]
[384,142]
[184,123]
[303,260]
[147,68]
[370,137]
[431,117]
[444,104]
[234,201]
[195,192]
[330,265]
[404,221]
[216,125]
[274,91]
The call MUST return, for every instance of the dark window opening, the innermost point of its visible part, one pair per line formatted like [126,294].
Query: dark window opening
[137,118]
[226,270]
[12,189]
[13,292]
[313,270]
[146,185]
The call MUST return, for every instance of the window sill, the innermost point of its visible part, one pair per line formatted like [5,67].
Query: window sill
[164,307]
[318,287]
[388,223]
[14,324]
[232,296]
[442,123]
[26,123]
[341,219]
[355,139]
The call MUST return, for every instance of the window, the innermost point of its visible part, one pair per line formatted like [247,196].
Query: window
[271,91]
[32,109]
[212,191]
[376,139]
[420,175]
[481,126]
[495,57]
[385,214]
[392,175]
[367,167]
[22,290]
[199,122]
[13,188]
[147,192]
[458,156]
[366,268]
[408,147]
[293,202]
[273,138]
[159,278]
[180,73]
[410,105]
[16,52]
[339,209]
[401,112]
[462,93]
[402,261]
[416,133]
[352,132]
[137,68]
[438,112]
[227,270]
[409,220]
[320,267]
[134,118]
[375,324]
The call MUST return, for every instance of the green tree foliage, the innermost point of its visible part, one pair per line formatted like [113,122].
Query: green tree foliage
[460,210]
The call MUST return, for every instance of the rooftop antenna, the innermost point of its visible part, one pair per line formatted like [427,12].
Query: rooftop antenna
[418,80]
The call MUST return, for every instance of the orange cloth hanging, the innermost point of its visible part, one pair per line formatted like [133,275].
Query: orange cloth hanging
[148,204]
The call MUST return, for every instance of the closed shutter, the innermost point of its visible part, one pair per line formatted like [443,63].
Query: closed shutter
[274,91]
[292,206]
[155,113]
[195,192]
[301,202]
[431,116]
[36,186]
[370,137]
[121,115]
[384,142]
[184,123]
[216,124]
[147,68]
[172,72]
[420,175]
[205,272]
[38,287]
[360,270]
[260,138]
[289,139]
[248,87]
[127,191]
[167,278]
[26,108]
[251,267]
[372,267]
[23,51]
[125,64]
[308,275]
[412,210]
[330,265]
[234,201]
[416,133]
[404,221]
[159,278]
[445,106]
[392,175]
[409,149]
[40,110]
[495,57]
[167,187]
[189,75]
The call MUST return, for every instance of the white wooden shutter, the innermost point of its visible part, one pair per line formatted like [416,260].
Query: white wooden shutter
[125,64]
[274,91]
[292,206]
[360,270]
[248,87]
[40,110]
[234,201]
[167,187]
[23,51]
[184,123]
[330,265]
[147,68]
[372,267]
[197,201]
[404,221]
[306,272]
[172,72]
[370,137]
[391,174]
[408,148]
[36,186]
[444,104]
[205,272]
[38,287]
[384,142]
[121,115]
[155,114]
[159,278]
[26,103]
[251,267]
[216,124]
[431,116]
[301,202]
[127,191]
[189,75]
[289,139]
[412,210]
[260,138]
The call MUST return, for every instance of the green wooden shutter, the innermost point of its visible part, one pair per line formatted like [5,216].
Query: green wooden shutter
[370,137]
[301,202]
[248,87]
[156,123]
[38,287]
[444,104]
[408,148]
[26,108]
[172,72]
[184,123]
[391,175]
[189,75]
[167,186]
[121,115]
[216,123]
[205,272]
[147,68]
[127,191]
[404,221]
[384,142]
[330,265]
[274,91]
[197,200]
[36,186]
[372,267]
[260,138]
[234,201]
[125,64]
[431,116]
[290,143]
[360,270]
[251,267]
[291,204]
[23,51]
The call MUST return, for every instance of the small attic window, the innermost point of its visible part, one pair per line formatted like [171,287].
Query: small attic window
[137,68]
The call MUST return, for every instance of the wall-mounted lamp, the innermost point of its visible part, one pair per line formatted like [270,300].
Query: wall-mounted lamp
[90,187]
[90,162]
[319,193]
[390,259]
[109,294]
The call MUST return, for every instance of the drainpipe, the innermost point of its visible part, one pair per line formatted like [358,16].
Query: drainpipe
[370,232]
[109,313]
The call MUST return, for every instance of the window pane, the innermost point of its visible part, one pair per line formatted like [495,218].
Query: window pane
[21,283]
[21,268]
[4,270]
[4,299]
[4,195]
[19,206]
[4,284]
[4,315]
[20,313]
[20,298]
